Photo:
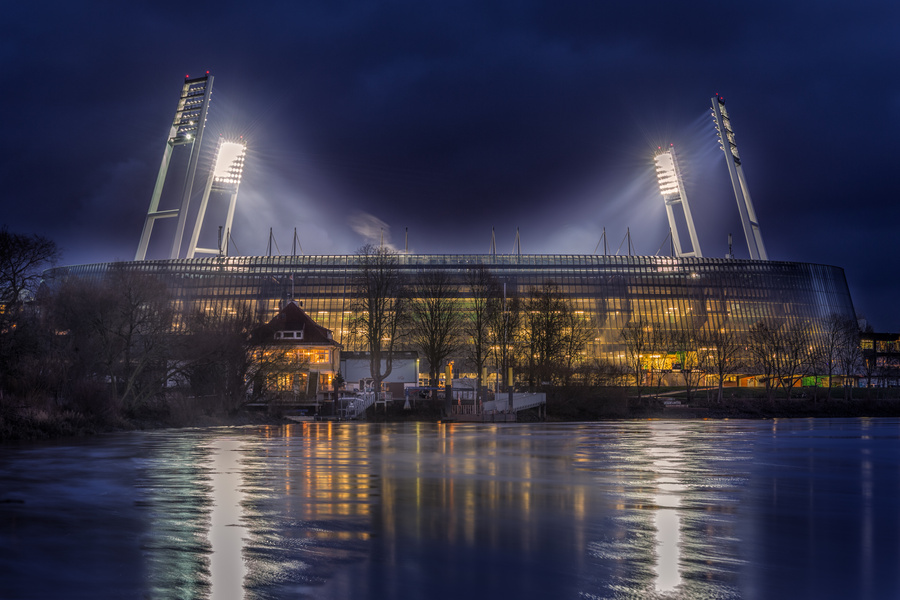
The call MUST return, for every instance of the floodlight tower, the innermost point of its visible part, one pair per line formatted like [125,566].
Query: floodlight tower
[738,181]
[187,128]
[224,178]
[672,189]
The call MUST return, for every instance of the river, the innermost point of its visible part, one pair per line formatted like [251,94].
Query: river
[613,510]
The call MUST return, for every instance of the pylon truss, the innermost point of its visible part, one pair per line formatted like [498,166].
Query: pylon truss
[187,129]
[671,186]
[225,178]
[738,181]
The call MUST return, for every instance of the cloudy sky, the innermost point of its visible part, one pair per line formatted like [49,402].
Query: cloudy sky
[449,118]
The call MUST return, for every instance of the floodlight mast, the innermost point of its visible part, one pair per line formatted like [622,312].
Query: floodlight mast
[671,186]
[738,181]
[225,177]
[187,128]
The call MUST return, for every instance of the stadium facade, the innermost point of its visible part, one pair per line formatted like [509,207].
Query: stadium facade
[684,293]
[675,294]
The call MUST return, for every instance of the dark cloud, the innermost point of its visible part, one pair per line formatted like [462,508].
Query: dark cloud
[449,118]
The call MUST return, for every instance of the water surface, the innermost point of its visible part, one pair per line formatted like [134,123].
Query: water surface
[641,509]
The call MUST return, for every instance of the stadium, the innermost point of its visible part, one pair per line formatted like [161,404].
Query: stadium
[681,293]
[675,294]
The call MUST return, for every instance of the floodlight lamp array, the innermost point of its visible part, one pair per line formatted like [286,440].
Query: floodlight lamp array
[190,110]
[726,125]
[666,174]
[229,163]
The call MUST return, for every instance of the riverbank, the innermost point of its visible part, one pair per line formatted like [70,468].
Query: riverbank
[21,423]
[621,403]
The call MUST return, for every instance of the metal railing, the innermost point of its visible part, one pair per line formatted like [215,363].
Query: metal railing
[521,401]
[356,405]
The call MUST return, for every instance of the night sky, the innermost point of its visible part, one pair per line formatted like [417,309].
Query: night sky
[449,118]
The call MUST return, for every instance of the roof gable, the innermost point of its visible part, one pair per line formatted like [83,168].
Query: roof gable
[292,318]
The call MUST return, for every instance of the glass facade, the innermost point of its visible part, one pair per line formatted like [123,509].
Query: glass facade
[674,294]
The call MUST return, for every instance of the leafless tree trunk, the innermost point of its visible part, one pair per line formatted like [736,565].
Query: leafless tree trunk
[578,332]
[555,336]
[227,356]
[636,337]
[661,343]
[687,346]
[725,354]
[486,298]
[830,348]
[543,324]
[120,330]
[791,355]
[762,346]
[435,319]
[850,354]
[505,332]
[380,307]
[22,261]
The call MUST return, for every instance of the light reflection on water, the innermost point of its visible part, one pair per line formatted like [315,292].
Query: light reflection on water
[667,467]
[173,492]
[226,534]
[650,509]
[675,488]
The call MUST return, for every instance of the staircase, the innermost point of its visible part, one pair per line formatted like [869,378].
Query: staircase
[357,405]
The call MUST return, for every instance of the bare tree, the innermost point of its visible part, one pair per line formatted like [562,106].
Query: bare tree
[577,332]
[692,358]
[792,355]
[34,369]
[230,356]
[504,329]
[435,319]
[660,345]
[22,261]
[636,337]
[120,331]
[554,335]
[780,354]
[870,369]
[485,303]
[828,350]
[850,354]
[542,313]
[598,372]
[380,308]
[724,355]
[762,348]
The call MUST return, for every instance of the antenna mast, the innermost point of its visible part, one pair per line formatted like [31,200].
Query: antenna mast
[296,244]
